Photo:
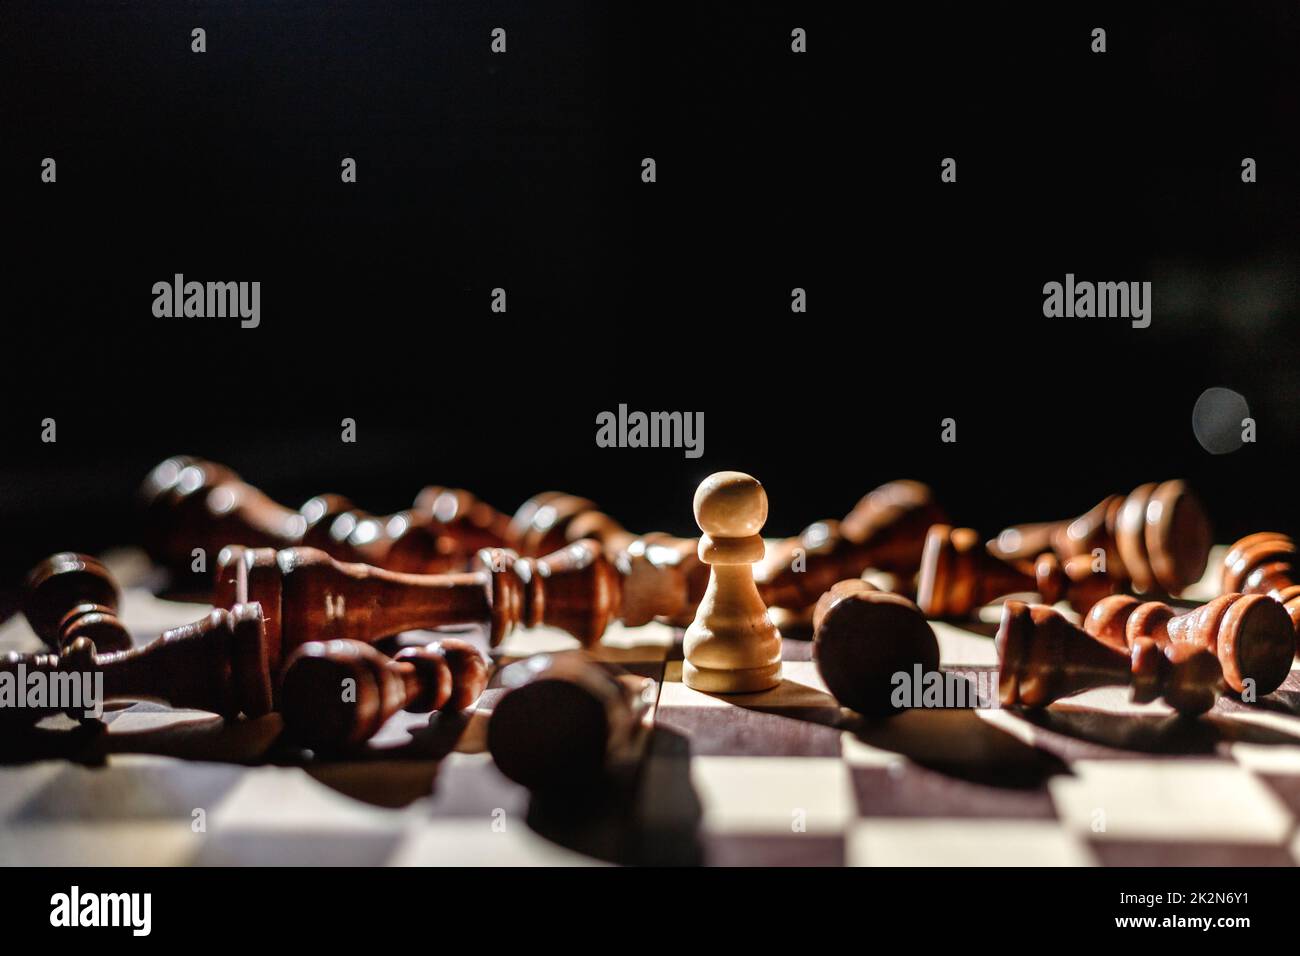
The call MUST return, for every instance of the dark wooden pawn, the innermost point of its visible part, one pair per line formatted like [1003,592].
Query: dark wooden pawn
[1265,563]
[448,674]
[1250,635]
[1043,658]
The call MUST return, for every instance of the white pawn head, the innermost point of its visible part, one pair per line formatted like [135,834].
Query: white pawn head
[730,504]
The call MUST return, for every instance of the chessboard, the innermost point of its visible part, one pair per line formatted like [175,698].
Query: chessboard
[782,777]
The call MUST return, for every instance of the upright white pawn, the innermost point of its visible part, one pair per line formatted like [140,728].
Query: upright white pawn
[731,646]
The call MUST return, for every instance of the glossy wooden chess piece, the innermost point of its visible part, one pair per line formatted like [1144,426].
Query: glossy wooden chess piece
[663,578]
[542,524]
[457,514]
[70,583]
[1265,563]
[959,575]
[311,596]
[891,522]
[662,575]
[548,521]
[1157,537]
[885,531]
[566,721]
[1250,635]
[217,664]
[1043,658]
[863,637]
[731,647]
[191,503]
[323,711]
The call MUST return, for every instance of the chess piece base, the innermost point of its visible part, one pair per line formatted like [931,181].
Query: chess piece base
[715,680]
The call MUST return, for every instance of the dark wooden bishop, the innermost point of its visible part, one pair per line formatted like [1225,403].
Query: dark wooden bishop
[1043,658]
[1250,635]
[1265,563]
[566,720]
[1157,537]
[448,674]
[217,664]
[864,636]
[191,503]
[960,574]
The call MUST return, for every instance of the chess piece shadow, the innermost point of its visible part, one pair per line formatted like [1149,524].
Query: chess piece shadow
[57,737]
[958,743]
[158,730]
[791,699]
[797,630]
[191,734]
[1155,733]
[668,810]
[1284,700]
[391,785]
[390,776]
[983,628]
[594,820]
[649,817]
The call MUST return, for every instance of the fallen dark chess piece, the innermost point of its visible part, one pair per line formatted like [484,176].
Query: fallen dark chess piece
[218,664]
[566,720]
[338,694]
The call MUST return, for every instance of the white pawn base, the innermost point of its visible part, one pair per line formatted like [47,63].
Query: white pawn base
[746,680]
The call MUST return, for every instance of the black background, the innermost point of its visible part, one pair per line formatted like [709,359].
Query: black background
[522,171]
